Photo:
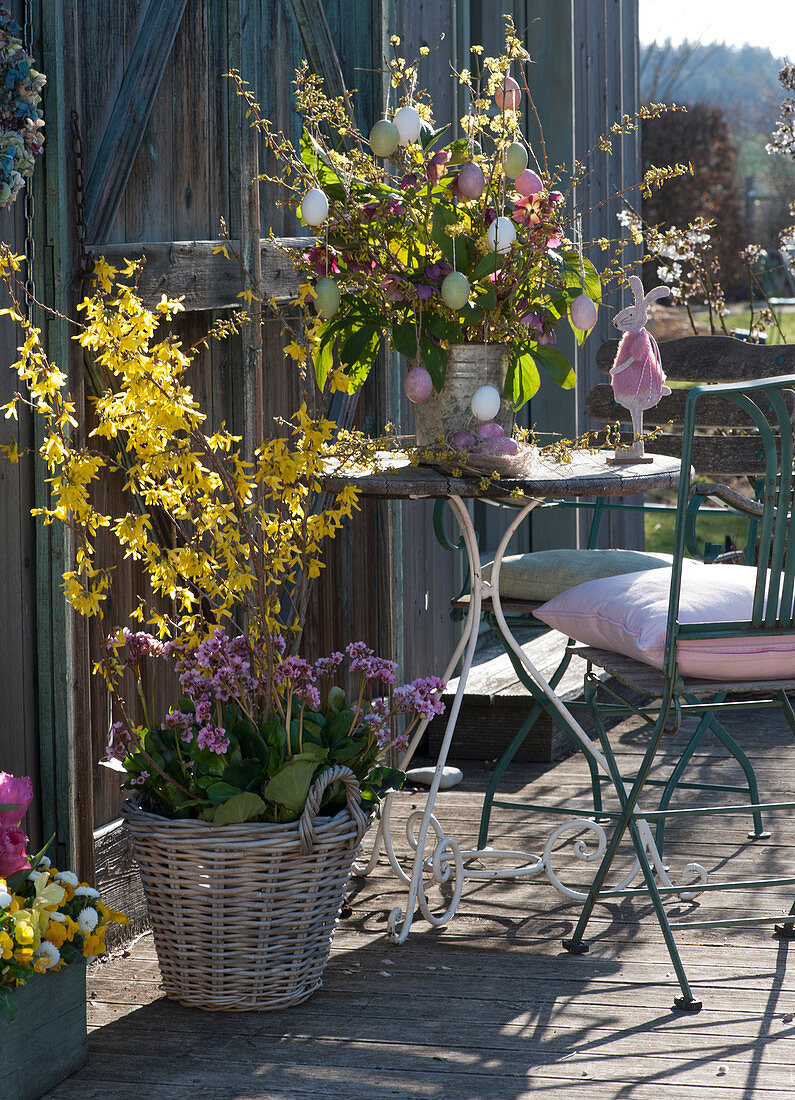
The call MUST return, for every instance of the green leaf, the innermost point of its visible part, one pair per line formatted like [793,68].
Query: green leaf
[219,792]
[556,366]
[490,263]
[359,351]
[323,357]
[443,216]
[342,723]
[385,779]
[429,136]
[434,359]
[313,158]
[290,786]
[487,299]
[243,807]
[8,1005]
[522,380]
[336,699]
[591,285]
[404,339]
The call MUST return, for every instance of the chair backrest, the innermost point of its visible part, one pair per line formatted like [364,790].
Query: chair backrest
[765,404]
[696,360]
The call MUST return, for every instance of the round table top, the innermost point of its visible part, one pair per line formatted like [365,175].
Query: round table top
[587,474]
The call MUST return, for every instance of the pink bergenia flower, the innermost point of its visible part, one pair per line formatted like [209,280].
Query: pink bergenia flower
[15,791]
[326,666]
[423,696]
[294,670]
[140,644]
[213,738]
[357,650]
[120,741]
[13,857]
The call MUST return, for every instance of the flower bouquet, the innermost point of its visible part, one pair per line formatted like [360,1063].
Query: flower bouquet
[433,243]
[48,919]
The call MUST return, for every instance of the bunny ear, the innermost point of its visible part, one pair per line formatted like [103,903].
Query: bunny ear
[657,292]
[637,288]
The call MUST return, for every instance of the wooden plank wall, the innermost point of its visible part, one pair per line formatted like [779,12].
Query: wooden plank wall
[19,750]
[386,581]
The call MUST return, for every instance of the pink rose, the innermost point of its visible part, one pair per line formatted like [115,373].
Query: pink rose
[14,791]
[12,851]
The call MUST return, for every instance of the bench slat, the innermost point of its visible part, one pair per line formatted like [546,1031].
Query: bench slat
[713,359]
[712,412]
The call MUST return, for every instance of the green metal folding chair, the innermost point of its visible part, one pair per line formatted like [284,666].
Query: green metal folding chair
[676,694]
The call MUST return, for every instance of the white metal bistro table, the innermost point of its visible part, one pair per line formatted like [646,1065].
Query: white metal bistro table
[586,475]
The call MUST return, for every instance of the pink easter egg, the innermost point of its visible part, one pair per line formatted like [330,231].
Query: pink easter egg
[462,441]
[490,430]
[499,447]
[418,385]
[507,94]
[528,183]
[471,181]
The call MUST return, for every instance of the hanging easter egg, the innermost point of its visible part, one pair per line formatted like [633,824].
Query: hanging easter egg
[514,160]
[501,234]
[583,313]
[485,403]
[528,183]
[455,290]
[471,181]
[407,122]
[327,297]
[418,385]
[507,94]
[384,138]
[314,207]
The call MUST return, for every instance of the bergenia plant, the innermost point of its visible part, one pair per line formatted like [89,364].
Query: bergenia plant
[255,727]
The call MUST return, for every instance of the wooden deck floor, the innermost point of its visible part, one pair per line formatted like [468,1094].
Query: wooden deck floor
[491,1006]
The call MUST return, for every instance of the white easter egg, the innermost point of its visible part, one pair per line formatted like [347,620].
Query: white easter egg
[501,234]
[384,138]
[455,290]
[314,207]
[583,313]
[407,121]
[485,403]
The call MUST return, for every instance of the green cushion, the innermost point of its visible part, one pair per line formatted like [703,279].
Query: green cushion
[544,574]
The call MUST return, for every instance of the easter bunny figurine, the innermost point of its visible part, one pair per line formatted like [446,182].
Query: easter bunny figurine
[636,375]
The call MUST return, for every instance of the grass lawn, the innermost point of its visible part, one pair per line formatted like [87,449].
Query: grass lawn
[738,317]
[713,528]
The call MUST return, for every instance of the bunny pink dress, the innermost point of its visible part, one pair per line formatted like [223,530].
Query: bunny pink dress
[640,385]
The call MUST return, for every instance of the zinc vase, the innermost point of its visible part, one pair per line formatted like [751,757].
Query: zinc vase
[469,367]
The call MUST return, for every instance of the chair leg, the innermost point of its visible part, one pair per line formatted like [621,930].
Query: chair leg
[759,832]
[576,943]
[676,775]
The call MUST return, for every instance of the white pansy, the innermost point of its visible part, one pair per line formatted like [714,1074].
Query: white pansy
[88,920]
[44,863]
[5,899]
[68,878]
[48,952]
[60,917]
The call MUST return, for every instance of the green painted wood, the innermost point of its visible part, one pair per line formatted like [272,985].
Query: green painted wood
[133,106]
[48,1039]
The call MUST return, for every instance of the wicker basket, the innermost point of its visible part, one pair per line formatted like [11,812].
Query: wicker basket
[243,915]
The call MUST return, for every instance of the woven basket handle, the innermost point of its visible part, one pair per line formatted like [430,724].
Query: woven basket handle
[306,830]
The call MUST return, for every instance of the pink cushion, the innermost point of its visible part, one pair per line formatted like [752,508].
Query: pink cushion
[628,614]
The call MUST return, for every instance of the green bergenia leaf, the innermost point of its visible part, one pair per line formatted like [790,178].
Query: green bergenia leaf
[242,807]
[434,359]
[290,786]
[404,339]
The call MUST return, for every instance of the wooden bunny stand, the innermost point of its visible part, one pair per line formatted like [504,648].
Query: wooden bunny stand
[637,376]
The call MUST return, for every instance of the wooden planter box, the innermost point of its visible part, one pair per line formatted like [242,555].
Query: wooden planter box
[48,1039]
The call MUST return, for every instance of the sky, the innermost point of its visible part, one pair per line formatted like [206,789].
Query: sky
[769,23]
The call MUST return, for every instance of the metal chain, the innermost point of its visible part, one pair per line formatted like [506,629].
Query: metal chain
[30,202]
[86,261]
